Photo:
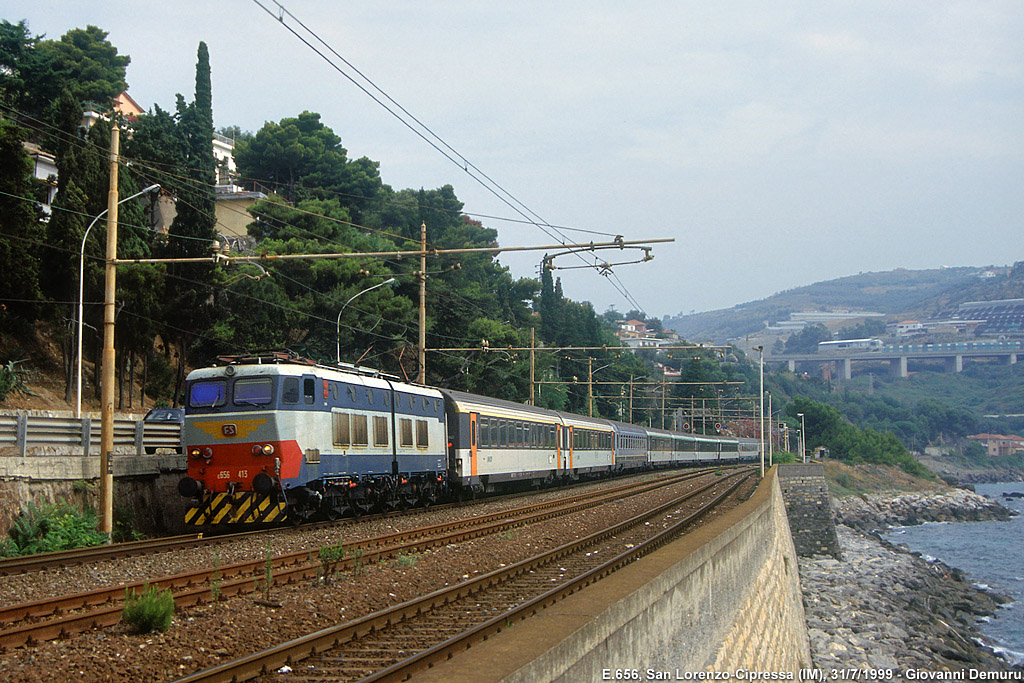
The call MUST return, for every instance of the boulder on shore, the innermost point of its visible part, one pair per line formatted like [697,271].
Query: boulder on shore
[880,510]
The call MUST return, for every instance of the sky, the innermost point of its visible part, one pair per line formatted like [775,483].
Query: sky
[779,144]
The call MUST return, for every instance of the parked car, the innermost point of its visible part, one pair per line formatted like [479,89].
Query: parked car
[167,416]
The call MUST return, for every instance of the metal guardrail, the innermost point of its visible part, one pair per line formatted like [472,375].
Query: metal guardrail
[24,434]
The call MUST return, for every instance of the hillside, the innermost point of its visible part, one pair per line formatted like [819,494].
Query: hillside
[918,293]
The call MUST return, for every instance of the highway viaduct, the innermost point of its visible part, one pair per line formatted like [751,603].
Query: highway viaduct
[897,356]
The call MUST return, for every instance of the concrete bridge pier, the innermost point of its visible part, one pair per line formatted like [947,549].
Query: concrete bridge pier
[898,367]
[847,368]
[1010,359]
[955,364]
[791,364]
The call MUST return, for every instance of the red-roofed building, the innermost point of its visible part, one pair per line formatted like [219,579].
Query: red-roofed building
[1000,444]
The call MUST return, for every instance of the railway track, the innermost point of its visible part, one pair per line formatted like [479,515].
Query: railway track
[78,556]
[38,621]
[395,643]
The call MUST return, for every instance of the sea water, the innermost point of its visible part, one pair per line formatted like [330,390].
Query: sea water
[992,554]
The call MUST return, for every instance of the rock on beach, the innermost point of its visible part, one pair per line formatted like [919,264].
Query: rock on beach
[878,511]
[883,607]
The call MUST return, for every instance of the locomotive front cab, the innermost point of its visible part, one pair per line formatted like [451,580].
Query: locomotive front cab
[236,456]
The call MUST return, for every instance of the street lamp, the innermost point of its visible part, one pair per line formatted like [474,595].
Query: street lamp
[803,438]
[760,364]
[81,296]
[379,284]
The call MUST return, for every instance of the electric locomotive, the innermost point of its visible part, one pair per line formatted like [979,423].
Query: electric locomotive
[272,436]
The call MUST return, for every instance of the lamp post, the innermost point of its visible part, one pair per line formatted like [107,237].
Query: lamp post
[760,364]
[81,296]
[803,438]
[379,284]
[771,431]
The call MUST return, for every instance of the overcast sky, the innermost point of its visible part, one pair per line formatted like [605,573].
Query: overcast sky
[780,143]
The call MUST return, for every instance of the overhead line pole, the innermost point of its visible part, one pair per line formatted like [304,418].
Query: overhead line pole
[107,385]
[422,348]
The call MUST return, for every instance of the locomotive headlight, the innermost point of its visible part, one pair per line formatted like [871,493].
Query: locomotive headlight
[197,452]
[268,449]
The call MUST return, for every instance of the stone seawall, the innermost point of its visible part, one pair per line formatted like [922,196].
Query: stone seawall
[724,597]
[809,508]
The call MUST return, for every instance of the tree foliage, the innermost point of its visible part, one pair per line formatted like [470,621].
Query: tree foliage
[847,443]
[19,223]
[807,339]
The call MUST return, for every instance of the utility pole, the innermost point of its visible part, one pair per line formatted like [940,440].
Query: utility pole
[422,350]
[590,387]
[663,404]
[533,364]
[107,391]
[631,399]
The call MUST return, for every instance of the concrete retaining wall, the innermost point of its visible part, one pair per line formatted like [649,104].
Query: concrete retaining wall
[145,487]
[724,597]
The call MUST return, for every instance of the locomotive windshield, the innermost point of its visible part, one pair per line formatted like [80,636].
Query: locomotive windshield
[208,394]
[253,392]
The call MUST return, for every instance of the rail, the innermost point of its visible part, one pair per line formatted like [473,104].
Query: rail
[25,434]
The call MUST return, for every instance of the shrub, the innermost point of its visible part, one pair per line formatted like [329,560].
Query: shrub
[151,611]
[12,379]
[51,527]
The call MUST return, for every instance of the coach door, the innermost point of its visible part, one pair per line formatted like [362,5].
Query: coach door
[472,443]
[571,449]
[558,445]
[567,450]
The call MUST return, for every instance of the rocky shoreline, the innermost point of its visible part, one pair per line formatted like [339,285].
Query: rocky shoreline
[871,512]
[884,607]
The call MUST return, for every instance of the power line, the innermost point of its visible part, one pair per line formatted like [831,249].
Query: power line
[425,133]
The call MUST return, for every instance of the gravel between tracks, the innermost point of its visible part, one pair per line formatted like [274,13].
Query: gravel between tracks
[206,635]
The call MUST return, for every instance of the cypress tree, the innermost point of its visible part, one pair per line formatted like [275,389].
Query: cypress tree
[193,230]
[19,222]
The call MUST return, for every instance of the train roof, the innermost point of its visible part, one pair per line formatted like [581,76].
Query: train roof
[290,368]
[598,423]
[495,406]
[626,428]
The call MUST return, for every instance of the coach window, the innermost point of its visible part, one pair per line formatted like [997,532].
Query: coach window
[308,390]
[421,434]
[502,433]
[405,431]
[340,428]
[380,430]
[360,435]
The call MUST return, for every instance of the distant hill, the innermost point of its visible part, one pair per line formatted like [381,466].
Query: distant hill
[897,293]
